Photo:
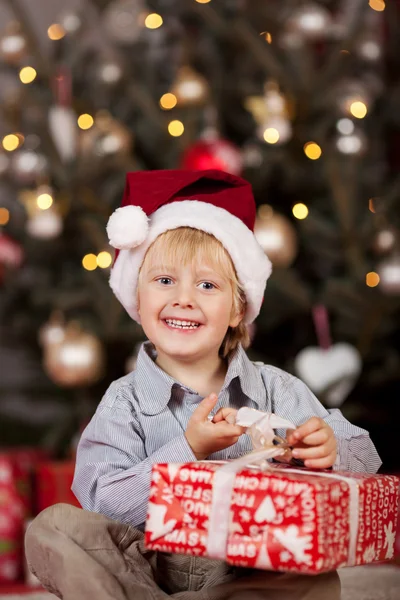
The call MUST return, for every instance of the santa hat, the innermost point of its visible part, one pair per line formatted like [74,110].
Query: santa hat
[212,201]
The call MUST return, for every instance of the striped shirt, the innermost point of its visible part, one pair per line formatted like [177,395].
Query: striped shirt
[143,416]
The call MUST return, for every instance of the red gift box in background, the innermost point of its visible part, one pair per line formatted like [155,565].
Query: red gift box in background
[53,484]
[16,505]
[282,520]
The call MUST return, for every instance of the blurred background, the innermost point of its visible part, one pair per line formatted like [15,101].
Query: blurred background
[301,98]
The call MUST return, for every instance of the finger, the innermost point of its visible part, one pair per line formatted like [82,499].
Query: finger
[312,452]
[205,407]
[225,414]
[289,436]
[321,463]
[226,430]
[317,438]
[313,424]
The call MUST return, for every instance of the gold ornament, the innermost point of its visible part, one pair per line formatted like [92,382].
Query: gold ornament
[277,237]
[77,360]
[189,87]
[106,138]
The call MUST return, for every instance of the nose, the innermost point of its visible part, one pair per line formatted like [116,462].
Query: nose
[184,296]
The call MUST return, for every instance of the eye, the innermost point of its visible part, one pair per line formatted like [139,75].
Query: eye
[164,280]
[207,285]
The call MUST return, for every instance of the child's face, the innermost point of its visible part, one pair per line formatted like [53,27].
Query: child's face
[199,298]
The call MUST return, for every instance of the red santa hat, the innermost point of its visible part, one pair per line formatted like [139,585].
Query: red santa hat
[213,201]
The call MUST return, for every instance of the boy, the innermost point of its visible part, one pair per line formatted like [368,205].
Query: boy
[190,270]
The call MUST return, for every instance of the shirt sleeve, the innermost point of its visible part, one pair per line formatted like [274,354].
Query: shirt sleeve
[291,399]
[113,472]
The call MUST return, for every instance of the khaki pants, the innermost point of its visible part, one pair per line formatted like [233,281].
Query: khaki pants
[80,555]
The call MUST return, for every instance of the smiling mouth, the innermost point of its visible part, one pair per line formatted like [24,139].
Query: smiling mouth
[178,324]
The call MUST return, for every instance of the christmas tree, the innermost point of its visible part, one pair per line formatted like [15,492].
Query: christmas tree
[298,97]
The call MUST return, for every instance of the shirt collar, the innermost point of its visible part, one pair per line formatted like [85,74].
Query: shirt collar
[148,371]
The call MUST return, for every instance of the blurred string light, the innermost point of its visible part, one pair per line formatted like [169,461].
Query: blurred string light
[378,5]
[103,260]
[56,32]
[176,128]
[27,74]
[153,21]
[358,109]
[11,142]
[4,216]
[271,135]
[89,262]
[267,36]
[312,150]
[85,121]
[44,201]
[168,101]
[203,1]
[372,279]
[300,211]
[371,205]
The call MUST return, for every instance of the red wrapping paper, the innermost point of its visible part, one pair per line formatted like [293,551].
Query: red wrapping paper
[16,470]
[53,484]
[293,521]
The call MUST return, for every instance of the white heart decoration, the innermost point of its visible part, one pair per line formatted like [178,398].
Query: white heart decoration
[333,371]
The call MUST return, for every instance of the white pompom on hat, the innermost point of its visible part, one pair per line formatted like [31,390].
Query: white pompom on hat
[213,201]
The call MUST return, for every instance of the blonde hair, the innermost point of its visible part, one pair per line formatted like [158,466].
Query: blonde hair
[187,245]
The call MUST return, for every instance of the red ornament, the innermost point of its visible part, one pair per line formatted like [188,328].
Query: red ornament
[213,154]
[11,253]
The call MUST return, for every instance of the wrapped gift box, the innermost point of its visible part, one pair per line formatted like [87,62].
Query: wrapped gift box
[16,471]
[11,524]
[283,519]
[53,484]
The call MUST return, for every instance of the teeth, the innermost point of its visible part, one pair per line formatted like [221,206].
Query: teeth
[182,324]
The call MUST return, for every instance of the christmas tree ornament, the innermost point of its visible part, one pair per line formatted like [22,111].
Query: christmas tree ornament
[11,252]
[109,72]
[329,370]
[52,332]
[277,237]
[389,274]
[13,45]
[353,144]
[271,113]
[62,118]
[385,240]
[213,152]
[71,21]
[124,19]
[27,166]
[369,47]
[106,138]
[77,360]
[310,21]
[45,224]
[189,87]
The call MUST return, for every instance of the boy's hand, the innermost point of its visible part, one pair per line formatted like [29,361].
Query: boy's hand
[206,437]
[314,442]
